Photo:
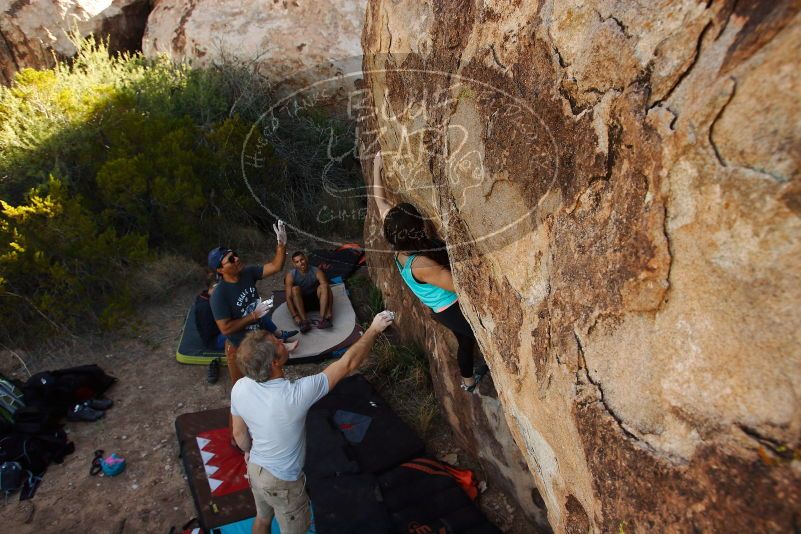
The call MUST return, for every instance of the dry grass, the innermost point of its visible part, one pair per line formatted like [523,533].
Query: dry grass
[400,372]
[165,274]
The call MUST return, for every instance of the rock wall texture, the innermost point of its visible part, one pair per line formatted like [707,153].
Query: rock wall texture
[33,32]
[299,39]
[619,185]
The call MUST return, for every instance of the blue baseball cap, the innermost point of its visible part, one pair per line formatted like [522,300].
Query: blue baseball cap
[215,257]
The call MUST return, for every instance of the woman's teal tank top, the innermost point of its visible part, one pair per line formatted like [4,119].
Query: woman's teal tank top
[432,296]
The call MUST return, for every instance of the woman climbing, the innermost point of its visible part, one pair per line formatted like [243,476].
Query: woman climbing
[424,266]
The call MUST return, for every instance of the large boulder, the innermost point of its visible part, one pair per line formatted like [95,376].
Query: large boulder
[34,33]
[298,43]
[619,185]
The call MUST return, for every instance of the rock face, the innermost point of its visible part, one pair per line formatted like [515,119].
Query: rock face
[619,185]
[31,32]
[298,39]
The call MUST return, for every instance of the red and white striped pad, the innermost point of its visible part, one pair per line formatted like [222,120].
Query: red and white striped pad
[224,464]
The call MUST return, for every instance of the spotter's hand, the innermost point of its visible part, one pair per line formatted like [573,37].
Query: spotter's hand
[280,232]
[262,308]
[382,321]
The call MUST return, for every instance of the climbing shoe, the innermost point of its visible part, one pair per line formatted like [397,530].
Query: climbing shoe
[305,326]
[324,323]
[480,373]
[99,404]
[470,389]
[213,371]
[82,412]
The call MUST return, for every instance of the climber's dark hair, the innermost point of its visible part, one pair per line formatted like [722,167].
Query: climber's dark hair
[297,253]
[405,229]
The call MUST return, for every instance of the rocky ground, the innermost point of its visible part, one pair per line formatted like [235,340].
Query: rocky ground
[153,389]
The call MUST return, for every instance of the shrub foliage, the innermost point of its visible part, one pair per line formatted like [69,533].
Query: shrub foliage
[108,161]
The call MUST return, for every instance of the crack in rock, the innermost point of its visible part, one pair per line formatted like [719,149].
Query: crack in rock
[602,397]
[711,130]
[683,76]
[495,58]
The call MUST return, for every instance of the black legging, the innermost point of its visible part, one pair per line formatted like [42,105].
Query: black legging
[452,318]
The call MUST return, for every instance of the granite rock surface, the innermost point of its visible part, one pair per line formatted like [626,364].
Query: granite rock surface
[619,186]
[34,33]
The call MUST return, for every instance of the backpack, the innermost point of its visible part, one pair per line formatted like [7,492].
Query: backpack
[10,477]
[204,319]
[10,399]
[33,453]
[60,390]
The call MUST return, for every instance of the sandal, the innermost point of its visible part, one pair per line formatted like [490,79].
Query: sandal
[305,326]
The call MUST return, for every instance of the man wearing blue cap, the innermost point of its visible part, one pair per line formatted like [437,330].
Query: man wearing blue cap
[235,302]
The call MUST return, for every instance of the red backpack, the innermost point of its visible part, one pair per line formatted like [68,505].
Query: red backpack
[463,477]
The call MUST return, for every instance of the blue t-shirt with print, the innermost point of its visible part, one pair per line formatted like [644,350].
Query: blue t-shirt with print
[234,300]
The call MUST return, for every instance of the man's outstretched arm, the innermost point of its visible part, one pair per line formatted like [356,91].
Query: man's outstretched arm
[358,352]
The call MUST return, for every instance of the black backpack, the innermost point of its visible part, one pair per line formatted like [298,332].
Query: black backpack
[11,474]
[58,391]
[33,452]
[204,319]
[10,399]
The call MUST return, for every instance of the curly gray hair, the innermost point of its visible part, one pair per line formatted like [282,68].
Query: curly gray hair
[255,355]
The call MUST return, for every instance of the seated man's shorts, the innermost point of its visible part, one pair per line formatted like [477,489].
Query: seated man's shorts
[287,500]
[311,302]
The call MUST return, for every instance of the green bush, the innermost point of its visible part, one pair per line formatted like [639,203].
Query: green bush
[108,162]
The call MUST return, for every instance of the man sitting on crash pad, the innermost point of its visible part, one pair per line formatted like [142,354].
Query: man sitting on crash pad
[269,418]
[307,290]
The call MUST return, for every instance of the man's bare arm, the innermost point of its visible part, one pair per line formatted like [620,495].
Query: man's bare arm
[289,283]
[321,278]
[358,352]
[276,265]
[241,433]
[229,326]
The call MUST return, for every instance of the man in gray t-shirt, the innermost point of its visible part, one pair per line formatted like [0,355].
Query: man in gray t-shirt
[307,290]
[234,299]
[269,422]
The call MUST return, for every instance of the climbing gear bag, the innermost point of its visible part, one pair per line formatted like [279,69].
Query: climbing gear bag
[10,399]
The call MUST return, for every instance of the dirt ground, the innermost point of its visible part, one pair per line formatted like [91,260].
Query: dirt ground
[152,494]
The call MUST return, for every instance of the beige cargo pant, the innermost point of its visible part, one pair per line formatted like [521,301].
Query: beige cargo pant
[286,500]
